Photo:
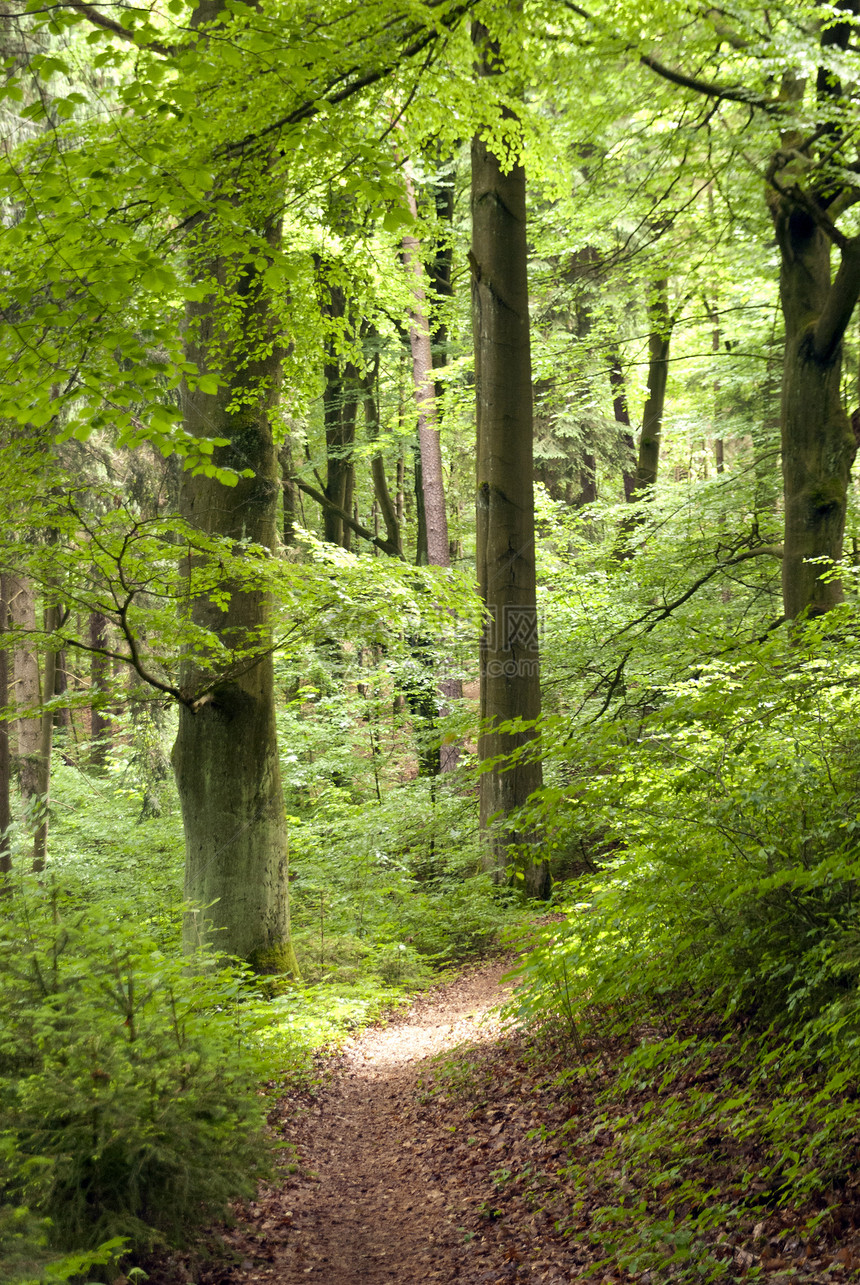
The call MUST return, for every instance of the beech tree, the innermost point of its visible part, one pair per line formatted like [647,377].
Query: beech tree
[505,551]
[217,172]
[802,145]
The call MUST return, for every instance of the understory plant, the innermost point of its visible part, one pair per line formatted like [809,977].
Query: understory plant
[712,942]
[129,1075]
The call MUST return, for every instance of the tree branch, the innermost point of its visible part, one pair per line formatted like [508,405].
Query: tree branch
[101,20]
[762,550]
[329,97]
[841,301]
[708,88]
[385,545]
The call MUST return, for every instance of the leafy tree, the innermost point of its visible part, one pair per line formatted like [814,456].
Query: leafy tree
[510,683]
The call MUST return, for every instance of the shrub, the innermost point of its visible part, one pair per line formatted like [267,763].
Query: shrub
[129,1079]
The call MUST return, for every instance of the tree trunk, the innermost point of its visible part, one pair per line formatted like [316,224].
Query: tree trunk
[63,715]
[46,743]
[421,557]
[340,404]
[509,664]
[432,476]
[290,494]
[386,506]
[226,753]
[440,272]
[818,444]
[587,493]
[621,411]
[100,726]
[659,334]
[435,527]
[35,725]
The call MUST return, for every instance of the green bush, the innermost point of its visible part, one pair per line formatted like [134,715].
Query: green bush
[729,827]
[129,1079]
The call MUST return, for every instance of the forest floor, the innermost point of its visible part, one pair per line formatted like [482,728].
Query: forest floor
[434,1150]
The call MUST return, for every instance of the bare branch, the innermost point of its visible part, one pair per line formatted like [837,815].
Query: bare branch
[708,88]
[385,545]
[107,24]
[653,616]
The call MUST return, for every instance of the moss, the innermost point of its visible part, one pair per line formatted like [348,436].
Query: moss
[279,958]
[826,495]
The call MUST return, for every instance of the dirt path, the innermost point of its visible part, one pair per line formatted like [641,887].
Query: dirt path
[482,1169]
[387,1187]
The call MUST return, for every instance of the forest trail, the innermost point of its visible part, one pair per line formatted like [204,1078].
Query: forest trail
[392,1185]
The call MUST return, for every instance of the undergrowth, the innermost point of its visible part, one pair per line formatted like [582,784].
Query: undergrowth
[711,955]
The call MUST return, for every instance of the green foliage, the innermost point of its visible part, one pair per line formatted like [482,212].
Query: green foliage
[706,795]
[26,1257]
[129,1076]
[104,843]
[695,1140]
[728,827]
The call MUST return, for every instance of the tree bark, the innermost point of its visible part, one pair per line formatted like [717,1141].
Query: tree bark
[509,660]
[225,757]
[386,506]
[659,335]
[99,675]
[429,445]
[621,411]
[441,272]
[818,444]
[290,493]
[340,405]
[34,724]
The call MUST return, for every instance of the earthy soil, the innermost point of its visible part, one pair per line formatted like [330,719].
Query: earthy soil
[392,1175]
[434,1150]
[385,1189]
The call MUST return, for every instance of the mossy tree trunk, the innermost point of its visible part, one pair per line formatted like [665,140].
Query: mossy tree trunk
[226,753]
[818,444]
[509,658]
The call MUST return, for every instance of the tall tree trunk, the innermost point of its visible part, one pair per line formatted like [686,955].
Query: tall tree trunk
[716,344]
[226,753]
[440,272]
[509,663]
[340,404]
[46,742]
[621,411]
[818,444]
[386,506]
[100,725]
[290,495]
[435,532]
[659,335]
[34,724]
[429,445]
[421,555]
[587,492]
[63,715]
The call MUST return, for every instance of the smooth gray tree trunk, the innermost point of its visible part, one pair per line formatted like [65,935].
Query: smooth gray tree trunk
[509,656]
